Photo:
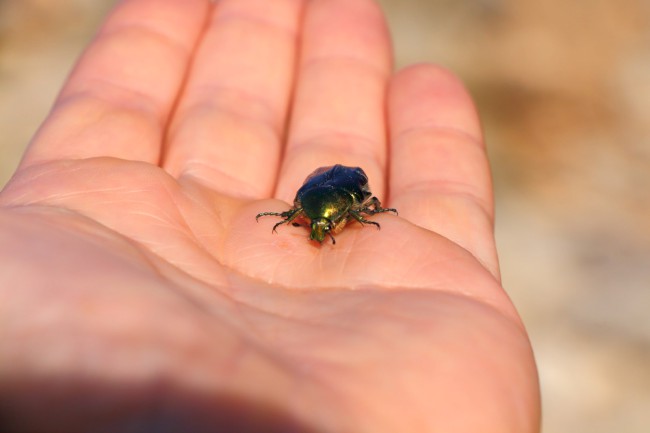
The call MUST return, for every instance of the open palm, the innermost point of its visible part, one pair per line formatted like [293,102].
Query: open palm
[143,292]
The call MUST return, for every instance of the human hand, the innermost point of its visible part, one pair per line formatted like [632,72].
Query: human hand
[138,293]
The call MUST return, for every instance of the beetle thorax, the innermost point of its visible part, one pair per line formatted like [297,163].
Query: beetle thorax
[326,202]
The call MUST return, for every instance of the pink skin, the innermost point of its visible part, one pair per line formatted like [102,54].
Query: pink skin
[137,289]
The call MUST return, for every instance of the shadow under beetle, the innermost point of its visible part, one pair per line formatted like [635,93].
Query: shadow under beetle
[328,198]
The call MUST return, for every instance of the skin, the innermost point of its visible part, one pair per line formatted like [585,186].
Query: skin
[137,292]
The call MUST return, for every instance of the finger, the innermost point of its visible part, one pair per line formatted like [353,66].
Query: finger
[121,92]
[439,170]
[338,111]
[228,128]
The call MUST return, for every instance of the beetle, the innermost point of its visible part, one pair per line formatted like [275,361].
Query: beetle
[328,198]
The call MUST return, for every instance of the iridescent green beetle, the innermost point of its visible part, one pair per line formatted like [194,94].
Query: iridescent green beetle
[328,198]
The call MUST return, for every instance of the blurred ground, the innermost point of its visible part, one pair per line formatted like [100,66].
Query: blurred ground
[564,90]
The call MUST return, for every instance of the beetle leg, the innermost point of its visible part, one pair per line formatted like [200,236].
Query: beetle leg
[257,217]
[277,224]
[288,216]
[357,216]
[285,214]
[376,204]
[332,237]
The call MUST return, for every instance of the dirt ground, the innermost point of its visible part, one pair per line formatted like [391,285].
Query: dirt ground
[564,90]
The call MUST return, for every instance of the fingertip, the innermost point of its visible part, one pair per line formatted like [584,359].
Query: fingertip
[427,70]
[357,29]
[429,95]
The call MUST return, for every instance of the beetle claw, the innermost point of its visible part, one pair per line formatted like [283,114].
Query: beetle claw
[273,230]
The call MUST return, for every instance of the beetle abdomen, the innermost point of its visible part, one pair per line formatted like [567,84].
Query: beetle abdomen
[353,180]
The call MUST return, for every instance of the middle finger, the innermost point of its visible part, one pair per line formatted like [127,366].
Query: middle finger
[338,109]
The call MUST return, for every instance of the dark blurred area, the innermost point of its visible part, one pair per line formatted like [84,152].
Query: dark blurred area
[564,92]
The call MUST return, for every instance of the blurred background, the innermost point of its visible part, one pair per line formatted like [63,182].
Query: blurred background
[564,92]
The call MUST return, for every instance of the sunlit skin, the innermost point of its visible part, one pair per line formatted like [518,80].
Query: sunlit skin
[137,292]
